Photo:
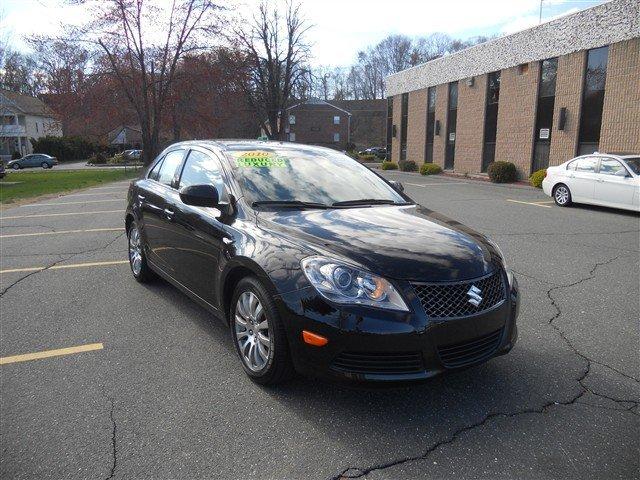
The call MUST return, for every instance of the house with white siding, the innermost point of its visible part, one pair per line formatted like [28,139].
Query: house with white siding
[22,118]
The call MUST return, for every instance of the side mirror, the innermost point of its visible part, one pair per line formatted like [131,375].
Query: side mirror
[200,196]
[397,185]
[621,173]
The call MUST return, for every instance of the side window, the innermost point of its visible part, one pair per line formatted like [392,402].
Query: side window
[586,164]
[169,166]
[201,169]
[609,166]
[155,171]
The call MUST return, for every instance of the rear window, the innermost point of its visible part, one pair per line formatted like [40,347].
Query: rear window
[585,164]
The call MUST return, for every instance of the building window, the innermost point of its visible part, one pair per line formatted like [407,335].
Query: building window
[404,118]
[544,113]
[431,120]
[336,120]
[292,119]
[292,137]
[336,137]
[389,125]
[452,115]
[592,100]
[491,120]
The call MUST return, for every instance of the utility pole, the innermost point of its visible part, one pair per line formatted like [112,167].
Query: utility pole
[540,17]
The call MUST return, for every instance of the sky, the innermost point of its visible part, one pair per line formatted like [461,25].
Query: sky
[341,28]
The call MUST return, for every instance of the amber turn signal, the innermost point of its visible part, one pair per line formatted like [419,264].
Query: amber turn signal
[314,339]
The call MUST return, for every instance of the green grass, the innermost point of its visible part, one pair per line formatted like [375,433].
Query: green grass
[33,184]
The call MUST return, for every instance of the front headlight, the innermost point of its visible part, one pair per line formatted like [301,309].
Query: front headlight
[342,283]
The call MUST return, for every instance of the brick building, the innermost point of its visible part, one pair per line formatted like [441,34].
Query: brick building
[336,123]
[535,98]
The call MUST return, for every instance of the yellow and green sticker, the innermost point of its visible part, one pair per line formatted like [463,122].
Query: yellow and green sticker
[260,159]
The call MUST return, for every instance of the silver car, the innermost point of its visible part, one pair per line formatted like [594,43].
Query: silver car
[33,160]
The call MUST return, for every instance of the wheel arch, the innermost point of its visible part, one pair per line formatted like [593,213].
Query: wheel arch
[231,276]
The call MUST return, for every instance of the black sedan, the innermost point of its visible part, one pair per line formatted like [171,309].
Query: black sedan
[319,265]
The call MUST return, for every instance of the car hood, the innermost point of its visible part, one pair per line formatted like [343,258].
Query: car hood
[403,242]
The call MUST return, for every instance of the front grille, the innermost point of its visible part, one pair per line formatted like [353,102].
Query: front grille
[446,300]
[471,351]
[379,363]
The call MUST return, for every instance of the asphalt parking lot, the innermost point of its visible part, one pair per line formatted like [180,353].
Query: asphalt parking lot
[154,390]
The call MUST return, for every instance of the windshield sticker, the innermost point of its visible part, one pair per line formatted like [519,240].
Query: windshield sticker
[260,159]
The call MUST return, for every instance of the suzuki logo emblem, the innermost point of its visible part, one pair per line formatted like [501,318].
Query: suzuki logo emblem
[474,296]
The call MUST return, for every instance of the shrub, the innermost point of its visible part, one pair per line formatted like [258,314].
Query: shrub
[370,157]
[65,148]
[350,147]
[99,158]
[408,166]
[430,169]
[537,177]
[389,166]
[118,159]
[15,155]
[502,172]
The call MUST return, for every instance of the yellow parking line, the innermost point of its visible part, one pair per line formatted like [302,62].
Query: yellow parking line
[59,214]
[528,203]
[432,184]
[51,353]
[71,203]
[65,266]
[62,232]
[101,194]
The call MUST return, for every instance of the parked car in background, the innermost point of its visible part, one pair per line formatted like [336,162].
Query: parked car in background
[33,160]
[318,264]
[377,151]
[609,180]
[132,155]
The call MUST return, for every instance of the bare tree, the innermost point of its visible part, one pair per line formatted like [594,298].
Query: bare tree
[144,43]
[276,50]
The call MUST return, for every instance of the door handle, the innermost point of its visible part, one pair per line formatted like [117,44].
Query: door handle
[168,213]
[141,197]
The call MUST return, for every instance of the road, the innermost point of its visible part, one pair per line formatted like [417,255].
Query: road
[158,392]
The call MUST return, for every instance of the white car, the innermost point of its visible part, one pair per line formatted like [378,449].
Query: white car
[603,179]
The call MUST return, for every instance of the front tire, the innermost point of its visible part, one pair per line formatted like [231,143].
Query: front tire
[137,259]
[16,166]
[258,334]
[562,195]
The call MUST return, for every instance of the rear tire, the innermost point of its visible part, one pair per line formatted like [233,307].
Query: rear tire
[45,165]
[258,334]
[137,259]
[562,195]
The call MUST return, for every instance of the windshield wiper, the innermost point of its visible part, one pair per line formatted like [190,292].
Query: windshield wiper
[366,201]
[288,204]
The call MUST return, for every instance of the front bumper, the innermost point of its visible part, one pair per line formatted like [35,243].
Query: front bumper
[367,344]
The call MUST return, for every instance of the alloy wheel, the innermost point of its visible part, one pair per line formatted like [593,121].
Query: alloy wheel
[562,195]
[252,332]
[135,250]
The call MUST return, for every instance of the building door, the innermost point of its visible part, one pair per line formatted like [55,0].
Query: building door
[450,149]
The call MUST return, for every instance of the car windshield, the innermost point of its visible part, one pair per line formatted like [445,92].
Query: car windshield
[634,164]
[285,174]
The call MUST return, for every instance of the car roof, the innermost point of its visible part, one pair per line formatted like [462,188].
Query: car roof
[229,145]
[614,154]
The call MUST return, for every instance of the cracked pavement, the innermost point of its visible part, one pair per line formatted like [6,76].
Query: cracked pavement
[166,397]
